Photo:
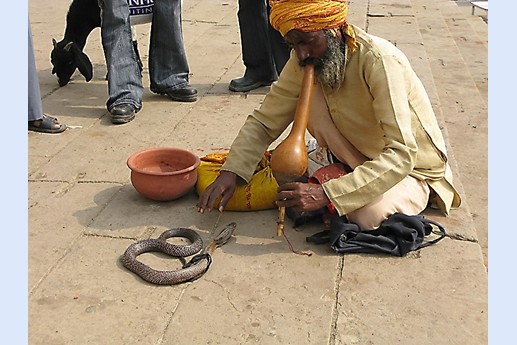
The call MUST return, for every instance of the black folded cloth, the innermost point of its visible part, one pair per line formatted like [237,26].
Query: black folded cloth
[397,235]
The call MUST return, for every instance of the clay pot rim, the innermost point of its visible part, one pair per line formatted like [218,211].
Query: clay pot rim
[134,156]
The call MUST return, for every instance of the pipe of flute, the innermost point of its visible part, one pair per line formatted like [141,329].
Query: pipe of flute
[280,221]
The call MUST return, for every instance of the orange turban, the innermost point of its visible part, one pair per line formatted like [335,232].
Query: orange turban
[309,15]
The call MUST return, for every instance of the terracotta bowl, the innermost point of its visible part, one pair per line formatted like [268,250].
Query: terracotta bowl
[163,173]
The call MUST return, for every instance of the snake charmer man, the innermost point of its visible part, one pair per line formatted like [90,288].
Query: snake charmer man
[369,111]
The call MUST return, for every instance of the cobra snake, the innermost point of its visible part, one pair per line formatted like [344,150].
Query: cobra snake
[192,270]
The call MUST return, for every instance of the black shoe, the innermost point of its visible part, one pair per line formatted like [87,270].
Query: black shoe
[185,94]
[245,84]
[122,113]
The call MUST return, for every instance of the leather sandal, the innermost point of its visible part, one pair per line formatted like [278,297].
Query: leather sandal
[47,125]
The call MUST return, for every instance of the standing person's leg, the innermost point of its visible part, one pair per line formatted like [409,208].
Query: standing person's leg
[35,106]
[256,49]
[279,49]
[38,121]
[124,79]
[168,66]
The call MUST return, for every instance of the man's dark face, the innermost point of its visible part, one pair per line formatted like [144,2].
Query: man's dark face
[310,47]
[323,50]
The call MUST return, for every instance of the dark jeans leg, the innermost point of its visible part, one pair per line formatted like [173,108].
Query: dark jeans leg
[279,48]
[256,50]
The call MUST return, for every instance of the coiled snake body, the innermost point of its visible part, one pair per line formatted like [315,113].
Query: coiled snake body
[198,265]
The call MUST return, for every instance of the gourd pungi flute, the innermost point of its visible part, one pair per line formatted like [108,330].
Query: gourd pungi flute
[289,159]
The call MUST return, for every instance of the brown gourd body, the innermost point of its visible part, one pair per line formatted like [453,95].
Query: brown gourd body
[289,159]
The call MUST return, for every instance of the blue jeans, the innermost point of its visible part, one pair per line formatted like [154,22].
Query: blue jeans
[168,67]
[35,107]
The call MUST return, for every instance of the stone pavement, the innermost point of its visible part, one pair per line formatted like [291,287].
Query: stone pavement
[84,212]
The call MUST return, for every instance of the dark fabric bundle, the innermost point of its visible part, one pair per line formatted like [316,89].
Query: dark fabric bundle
[397,235]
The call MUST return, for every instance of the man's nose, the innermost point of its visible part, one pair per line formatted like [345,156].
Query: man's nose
[302,54]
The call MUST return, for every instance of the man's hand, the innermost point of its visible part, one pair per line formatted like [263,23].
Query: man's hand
[223,185]
[301,196]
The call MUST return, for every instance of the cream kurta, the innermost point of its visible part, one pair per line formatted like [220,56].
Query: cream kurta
[381,108]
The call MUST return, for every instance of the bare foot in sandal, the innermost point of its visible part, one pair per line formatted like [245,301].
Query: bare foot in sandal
[47,124]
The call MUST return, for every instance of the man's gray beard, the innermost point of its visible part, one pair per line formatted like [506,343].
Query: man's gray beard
[331,73]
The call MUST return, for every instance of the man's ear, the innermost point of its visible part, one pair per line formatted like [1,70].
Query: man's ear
[83,63]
